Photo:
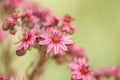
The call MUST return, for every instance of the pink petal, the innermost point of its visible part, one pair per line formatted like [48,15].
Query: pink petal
[66,37]
[60,52]
[63,47]
[44,42]
[31,42]
[68,42]
[74,66]
[44,36]
[25,45]
[12,78]
[82,61]
[56,48]
[33,37]
[20,46]
[76,75]
[90,77]
[50,46]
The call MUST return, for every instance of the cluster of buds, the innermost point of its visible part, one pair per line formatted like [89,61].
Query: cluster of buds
[9,23]
[107,72]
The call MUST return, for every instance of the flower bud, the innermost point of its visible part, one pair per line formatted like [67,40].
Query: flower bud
[20,52]
[12,31]
[5,27]
[14,15]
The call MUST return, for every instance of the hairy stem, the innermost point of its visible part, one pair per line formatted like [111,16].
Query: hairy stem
[36,70]
[7,58]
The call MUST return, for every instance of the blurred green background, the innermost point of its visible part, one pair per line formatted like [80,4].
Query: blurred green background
[98,23]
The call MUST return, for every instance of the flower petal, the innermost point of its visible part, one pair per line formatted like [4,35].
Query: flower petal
[44,42]
[50,46]
[20,46]
[63,47]
[25,45]
[56,48]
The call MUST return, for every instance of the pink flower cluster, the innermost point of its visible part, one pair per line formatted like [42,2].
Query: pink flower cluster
[43,30]
[40,27]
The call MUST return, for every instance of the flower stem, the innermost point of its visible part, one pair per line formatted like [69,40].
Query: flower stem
[37,69]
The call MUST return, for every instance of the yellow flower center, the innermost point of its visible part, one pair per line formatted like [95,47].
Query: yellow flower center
[84,70]
[56,39]
[26,37]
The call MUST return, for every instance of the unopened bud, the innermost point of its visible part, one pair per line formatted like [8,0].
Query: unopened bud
[14,15]
[12,31]
[5,27]
[20,52]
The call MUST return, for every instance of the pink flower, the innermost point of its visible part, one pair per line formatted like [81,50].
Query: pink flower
[108,72]
[26,15]
[27,40]
[103,72]
[14,15]
[2,77]
[78,51]
[41,13]
[26,4]
[13,78]
[67,21]
[56,41]
[67,26]
[10,22]
[65,29]
[116,73]
[80,70]
[12,3]
[51,20]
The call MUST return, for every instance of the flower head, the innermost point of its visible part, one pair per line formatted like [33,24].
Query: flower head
[67,26]
[80,70]
[51,20]
[27,40]
[56,41]
[10,22]
[67,19]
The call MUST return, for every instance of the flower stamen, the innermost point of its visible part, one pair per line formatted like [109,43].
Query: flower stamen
[56,39]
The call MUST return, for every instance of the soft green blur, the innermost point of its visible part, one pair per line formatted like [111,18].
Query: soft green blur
[98,30]
[98,23]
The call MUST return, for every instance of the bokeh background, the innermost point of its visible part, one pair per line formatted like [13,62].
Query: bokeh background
[98,30]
